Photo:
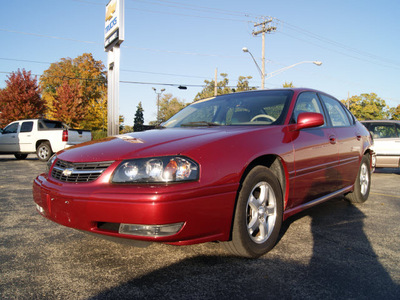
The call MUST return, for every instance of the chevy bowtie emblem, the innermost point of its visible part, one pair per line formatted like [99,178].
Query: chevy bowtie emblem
[110,10]
[68,172]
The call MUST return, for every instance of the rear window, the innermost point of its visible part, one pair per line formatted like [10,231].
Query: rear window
[48,124]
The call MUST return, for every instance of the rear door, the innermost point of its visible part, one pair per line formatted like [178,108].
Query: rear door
[26,138]
[348,139]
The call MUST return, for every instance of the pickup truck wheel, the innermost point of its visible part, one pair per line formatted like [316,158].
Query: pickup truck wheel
[362,185]
[258,216]
[20,156]
[44,151]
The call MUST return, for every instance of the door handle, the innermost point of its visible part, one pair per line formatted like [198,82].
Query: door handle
[332,139]
[358,135]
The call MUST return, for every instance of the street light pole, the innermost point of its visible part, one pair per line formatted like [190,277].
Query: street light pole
[274,73]
[158,104]
[244,49]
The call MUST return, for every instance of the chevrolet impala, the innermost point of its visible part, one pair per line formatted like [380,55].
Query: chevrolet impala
[228,169]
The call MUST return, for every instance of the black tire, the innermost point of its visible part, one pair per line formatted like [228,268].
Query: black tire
[362,185]
[44,151]
[20,156]
[258,215]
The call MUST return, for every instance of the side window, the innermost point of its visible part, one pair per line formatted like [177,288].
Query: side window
[307,102]
[350,115]
[336,112]
[12,128]
[26,126]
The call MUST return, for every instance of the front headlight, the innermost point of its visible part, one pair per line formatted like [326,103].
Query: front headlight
[157,170]
[50,163]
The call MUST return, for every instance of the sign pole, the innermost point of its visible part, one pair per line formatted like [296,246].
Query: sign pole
[113,91]
[113,37]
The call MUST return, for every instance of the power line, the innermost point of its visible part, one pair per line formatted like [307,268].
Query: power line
[195,7]
[123,70]
[325,40]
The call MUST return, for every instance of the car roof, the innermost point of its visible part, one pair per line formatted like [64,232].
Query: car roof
[380,121]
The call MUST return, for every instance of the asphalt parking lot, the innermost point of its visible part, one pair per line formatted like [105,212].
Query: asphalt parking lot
[332,251]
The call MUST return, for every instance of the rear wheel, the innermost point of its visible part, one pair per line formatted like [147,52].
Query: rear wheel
[258,216]
[363,182]
[20,156]
[44,151]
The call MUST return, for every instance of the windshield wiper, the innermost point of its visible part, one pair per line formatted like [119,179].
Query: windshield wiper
[199,123]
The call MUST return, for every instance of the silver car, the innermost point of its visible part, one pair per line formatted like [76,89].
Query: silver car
[386,134]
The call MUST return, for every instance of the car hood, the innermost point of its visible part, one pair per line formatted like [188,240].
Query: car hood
[159,142]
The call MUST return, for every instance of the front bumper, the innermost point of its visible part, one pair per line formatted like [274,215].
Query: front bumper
[206,212]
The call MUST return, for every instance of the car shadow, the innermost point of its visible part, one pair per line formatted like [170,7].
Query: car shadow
[387,171]
[12,158]
[343,265]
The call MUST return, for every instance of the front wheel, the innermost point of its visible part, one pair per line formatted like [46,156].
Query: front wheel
[258,216]
[44,151]
[363,182]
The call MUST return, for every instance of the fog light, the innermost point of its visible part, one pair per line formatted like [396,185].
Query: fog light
[40,209]
[150,230]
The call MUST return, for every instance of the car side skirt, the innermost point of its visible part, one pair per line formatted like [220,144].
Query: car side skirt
[290,212]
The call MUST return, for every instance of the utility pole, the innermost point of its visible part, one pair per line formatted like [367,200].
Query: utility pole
[264,29]
[215,82]
[158,104]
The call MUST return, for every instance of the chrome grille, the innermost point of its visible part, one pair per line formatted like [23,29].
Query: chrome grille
[78,172]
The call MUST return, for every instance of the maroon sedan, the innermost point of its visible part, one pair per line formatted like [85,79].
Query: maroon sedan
[227,169]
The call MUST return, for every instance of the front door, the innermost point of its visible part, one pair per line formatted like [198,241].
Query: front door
[315,154]
[9,139]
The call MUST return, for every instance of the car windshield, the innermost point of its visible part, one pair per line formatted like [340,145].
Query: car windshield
[247,108]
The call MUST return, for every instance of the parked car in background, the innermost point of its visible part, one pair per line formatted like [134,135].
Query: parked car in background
[41,136]
[386,134]
[229,169]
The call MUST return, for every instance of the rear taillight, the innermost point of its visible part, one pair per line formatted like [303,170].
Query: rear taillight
[65,136]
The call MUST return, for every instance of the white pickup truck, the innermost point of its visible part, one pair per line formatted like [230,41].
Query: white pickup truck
[42,136]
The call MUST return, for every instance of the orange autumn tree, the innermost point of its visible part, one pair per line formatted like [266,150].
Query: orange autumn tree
[83,71]
[68,104]
[20,99]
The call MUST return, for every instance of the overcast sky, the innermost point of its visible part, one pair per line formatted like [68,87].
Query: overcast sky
[181,42]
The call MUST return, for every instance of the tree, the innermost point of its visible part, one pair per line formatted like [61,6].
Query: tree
[96,114]
[89,73]
[208,90]
[367,107]
[223,87]
[121,120]
[288,85]
[169,106]
[395,113]
[20,99]
[139,118]
[243,84]
[68,104]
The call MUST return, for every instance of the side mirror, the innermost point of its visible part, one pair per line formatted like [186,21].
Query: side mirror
[309,120]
